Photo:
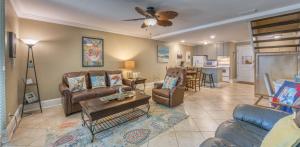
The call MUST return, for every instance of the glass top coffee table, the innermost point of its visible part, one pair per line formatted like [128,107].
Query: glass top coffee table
[99,115]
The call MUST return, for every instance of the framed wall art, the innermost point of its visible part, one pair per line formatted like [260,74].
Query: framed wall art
[30,97]
[92,52]
[162,53]
[11,42]
[188,57]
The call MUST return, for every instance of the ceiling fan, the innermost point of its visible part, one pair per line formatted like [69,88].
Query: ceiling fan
[151,17]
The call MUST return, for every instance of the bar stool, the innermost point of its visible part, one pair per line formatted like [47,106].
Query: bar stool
[211,82]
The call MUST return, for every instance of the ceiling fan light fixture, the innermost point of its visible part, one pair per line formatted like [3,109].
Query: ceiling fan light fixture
[150,21]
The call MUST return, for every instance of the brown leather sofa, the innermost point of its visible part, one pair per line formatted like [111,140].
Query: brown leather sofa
[172,97]
[70,100]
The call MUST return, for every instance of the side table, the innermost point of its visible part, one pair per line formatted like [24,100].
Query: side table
[136,81]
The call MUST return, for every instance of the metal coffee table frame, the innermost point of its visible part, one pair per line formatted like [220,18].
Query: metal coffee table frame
[113,120]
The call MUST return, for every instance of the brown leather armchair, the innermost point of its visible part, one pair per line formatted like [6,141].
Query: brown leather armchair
[174,96]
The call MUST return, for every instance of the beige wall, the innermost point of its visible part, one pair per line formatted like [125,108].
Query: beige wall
[60,51]
[14,85]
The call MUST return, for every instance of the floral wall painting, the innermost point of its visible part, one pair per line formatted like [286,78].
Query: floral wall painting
[163,54]
[92,52]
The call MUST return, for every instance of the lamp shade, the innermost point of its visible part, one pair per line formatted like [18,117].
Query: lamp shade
[30,41]
[129,64]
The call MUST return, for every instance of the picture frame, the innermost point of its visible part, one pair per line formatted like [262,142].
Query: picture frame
[28,81]
[12,44]
[247,60]
[188,58]
[92,52]
[30,97]
[163,53]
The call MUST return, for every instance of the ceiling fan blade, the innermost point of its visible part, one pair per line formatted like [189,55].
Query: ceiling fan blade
[142,12]
[143,25]
[165,15]
[164,23]
[134,19]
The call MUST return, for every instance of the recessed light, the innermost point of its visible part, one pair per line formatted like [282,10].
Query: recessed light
[205,42]
[182,41]
[212,37]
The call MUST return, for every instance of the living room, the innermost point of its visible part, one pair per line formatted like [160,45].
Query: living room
[150,73]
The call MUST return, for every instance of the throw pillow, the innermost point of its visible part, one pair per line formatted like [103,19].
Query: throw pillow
[98,81]
[115,80]
[169,82]
[285,133]
[77,83]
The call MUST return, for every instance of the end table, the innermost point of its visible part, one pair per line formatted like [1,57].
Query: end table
[136,81]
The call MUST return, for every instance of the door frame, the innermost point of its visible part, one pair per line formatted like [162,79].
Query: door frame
[238,47]
[2,72]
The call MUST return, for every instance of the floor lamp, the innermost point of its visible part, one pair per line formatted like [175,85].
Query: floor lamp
[30,43]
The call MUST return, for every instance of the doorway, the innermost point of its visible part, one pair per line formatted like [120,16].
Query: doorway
[245,64]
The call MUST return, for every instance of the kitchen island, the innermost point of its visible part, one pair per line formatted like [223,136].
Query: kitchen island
[216,71]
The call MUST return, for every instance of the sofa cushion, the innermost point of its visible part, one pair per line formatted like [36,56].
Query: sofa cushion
[124,88]
[115,80]
[259,116]
[105,91]
[77,83]
[216,142]
[92,93]
[241,133]
[82,95]
[76,74]
[93,73]
[97,81]
[97,73]
[162,92]
[178,72]
[113,72]
[170,82]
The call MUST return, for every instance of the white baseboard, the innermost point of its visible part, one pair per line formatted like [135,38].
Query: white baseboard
[15,120]
[13,124]
[45,104]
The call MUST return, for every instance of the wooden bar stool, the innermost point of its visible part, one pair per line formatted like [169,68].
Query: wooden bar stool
[195,82]
[210,79]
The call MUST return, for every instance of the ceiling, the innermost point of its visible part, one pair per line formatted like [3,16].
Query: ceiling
[192,23]
[232,32]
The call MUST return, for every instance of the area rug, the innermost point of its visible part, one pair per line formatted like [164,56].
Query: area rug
[132,134]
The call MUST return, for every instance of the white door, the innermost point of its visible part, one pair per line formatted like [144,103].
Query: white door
[245,63]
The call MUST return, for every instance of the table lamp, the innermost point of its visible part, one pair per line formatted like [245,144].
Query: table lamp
[129,65]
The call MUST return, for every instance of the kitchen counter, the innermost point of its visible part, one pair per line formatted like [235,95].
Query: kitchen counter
[216,71]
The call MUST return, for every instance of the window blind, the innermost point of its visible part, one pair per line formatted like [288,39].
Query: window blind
[2,72]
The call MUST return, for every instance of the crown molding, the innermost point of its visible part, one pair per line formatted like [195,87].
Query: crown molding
[277,11]
[21,14]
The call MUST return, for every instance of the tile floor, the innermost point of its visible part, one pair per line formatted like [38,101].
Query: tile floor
[207,109]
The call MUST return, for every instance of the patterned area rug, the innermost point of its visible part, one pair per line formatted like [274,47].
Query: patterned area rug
[133,133]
